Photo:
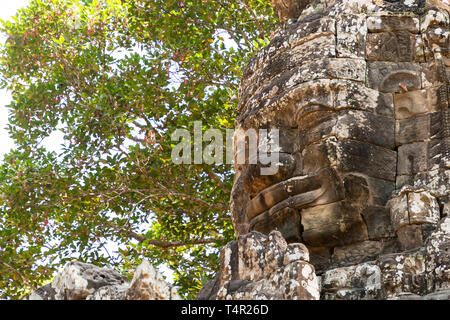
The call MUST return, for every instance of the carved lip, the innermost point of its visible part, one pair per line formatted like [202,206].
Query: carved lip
[298,192]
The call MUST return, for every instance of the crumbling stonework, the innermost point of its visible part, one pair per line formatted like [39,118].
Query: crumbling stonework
[359,91]
[147,284]
[81,281]
[421,273]
[257,266]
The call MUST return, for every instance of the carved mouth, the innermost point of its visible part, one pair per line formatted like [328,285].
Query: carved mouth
[296,193]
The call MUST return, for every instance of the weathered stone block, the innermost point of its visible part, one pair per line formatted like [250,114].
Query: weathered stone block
[209,290]
[78,280]
[352,283]
[320,257]
[423,208]
[413,129]
[355,95]
[298,272]
[444,204]
[348,156]
[410,237]
[405,273]
[396,47]
[46,292]
[277,44]
[315,126]
[296,193]
[399,210]
[412,158]
[438,260]
[356,189]
[388,76]
[351,34]
[331,68]
[437,36]
[438,295]
[257,266]
[444,120]
[380,190]
[410,207]
[361,251]
[412,103]
[81,281]
[367,127]
[439,154]
[275,252]
[148,284]
[252,264]
[287,221]
[301,33]
[331,93]
[114,292]
[366,158]
[436,181]
[254,181]
[317,48]
[295,252]
[393,23]
[430,75]
[349,69]
[433,18]
[296,281]
[378,222]
[320,227]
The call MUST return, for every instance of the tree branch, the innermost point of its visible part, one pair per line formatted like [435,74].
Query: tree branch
[18,274]
[162,244]
[213,176]
[181,195]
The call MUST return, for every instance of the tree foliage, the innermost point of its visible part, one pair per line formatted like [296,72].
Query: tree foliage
[115,79]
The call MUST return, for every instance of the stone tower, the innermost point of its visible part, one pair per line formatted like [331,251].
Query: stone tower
[358,209]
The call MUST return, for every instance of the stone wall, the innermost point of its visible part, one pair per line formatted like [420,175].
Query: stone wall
[258,266]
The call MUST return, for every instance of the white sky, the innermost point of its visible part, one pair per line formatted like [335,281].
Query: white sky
[7,9]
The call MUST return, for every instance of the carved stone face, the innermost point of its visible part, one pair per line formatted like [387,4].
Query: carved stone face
[361,102]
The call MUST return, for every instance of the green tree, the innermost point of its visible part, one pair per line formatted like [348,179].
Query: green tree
[116,78]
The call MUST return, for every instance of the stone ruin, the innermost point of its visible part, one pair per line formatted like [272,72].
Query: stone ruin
[359,208]
[82,281]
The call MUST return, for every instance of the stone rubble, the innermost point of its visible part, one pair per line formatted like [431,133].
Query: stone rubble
[420,274]
[263,267]
[82,281]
